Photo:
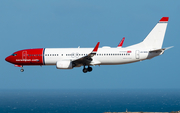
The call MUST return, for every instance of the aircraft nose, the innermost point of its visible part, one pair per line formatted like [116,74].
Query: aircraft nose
[7,59]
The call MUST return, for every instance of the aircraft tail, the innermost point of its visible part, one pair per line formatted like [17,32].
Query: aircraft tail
[155,38]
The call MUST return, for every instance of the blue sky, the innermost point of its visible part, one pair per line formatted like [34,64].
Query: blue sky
[61,24]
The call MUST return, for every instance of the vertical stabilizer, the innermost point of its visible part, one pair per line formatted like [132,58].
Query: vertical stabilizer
[155,38]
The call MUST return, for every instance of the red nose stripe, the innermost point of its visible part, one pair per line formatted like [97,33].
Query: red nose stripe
[28,57]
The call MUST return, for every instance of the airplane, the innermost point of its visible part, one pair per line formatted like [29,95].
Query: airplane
[68,58]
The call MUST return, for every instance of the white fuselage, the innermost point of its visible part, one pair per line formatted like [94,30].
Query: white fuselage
[104,56]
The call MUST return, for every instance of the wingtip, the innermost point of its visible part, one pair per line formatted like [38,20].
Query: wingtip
[96,47]
[121,43]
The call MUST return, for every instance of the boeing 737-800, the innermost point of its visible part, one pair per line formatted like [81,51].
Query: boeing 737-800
[68,58]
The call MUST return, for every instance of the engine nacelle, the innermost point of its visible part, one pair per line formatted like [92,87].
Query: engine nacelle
[64,64]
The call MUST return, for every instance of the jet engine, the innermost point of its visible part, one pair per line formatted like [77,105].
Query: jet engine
[64,64]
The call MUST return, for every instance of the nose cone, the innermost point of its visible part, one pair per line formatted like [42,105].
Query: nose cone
[8,59]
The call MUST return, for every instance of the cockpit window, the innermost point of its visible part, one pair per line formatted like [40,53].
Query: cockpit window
[14,54]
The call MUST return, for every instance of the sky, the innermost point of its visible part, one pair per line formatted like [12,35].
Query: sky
[70,23]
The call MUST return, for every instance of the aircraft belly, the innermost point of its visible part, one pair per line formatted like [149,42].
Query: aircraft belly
[50,61]
[115,60]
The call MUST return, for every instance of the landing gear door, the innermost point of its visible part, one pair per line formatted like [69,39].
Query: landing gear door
[24,55]
[137,54]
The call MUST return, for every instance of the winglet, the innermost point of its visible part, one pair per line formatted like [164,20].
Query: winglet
[96,48]
[121,43]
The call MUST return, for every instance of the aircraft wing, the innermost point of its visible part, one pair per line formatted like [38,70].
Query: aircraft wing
[86,60]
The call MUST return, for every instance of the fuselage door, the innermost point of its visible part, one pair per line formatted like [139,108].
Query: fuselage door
[24,55]
[137,54]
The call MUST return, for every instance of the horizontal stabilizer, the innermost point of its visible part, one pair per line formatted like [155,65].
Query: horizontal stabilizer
[168,48]
[158,50]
